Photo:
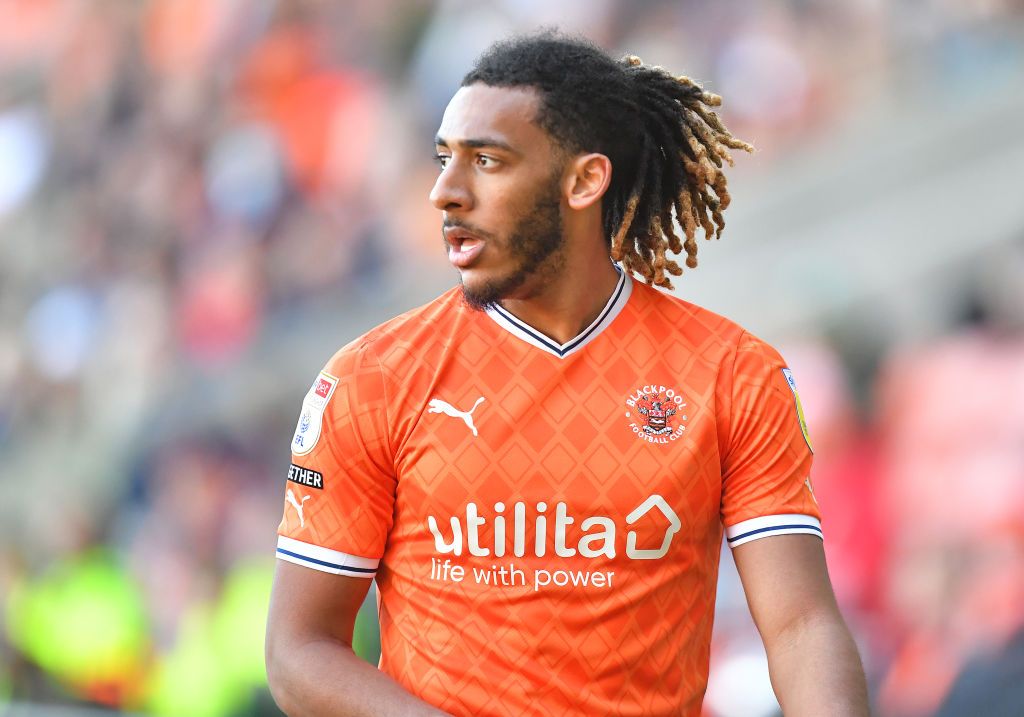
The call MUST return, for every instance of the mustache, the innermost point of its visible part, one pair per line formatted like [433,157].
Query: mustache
[471,228]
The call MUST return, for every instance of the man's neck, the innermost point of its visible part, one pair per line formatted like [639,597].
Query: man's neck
[562,309]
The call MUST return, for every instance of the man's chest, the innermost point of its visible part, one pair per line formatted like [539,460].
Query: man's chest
[560,460]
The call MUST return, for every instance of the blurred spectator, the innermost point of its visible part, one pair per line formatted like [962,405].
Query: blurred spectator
[953,420]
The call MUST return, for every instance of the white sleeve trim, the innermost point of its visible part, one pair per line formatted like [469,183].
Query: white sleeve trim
[325,559]
[768,525]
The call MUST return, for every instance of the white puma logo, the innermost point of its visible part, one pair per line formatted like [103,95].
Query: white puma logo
[436,405]
[290,497]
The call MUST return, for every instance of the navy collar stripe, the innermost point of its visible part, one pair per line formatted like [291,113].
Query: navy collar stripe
[525,328]
[526,332]
[607,310]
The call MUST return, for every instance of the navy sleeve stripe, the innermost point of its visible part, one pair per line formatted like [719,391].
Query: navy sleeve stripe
[325,563]
[812,528]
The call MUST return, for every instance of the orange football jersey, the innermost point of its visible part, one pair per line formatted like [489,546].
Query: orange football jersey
[544,520]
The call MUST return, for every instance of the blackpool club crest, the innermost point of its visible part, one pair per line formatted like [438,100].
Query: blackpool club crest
[656,414]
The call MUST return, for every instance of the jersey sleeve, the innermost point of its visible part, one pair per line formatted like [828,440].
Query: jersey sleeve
[766,465]
[340,488]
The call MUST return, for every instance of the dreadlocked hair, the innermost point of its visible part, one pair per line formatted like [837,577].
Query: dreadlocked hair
[666,144]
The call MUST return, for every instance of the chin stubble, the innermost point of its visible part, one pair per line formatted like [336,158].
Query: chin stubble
[536,245]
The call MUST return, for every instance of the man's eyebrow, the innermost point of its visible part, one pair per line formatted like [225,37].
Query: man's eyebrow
[477,143]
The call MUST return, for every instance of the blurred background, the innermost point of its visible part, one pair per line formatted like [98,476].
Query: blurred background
[200,201]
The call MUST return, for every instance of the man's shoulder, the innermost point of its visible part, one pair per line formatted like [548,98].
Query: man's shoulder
[412,325]
[687,320]
[416,331]
[717,339]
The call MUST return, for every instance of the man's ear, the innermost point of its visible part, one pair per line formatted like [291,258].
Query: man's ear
[588,178]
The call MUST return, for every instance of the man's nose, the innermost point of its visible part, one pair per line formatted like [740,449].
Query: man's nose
[450,191]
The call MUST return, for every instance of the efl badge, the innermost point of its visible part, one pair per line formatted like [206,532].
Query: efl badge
[799,407]
[656,414]
[307,432]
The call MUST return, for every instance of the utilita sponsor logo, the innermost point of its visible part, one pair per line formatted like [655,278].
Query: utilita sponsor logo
[599,533]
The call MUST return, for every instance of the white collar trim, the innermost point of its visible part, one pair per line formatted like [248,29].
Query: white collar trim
[520,329]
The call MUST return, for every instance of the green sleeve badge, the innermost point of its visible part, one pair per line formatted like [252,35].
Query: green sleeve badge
[799,407]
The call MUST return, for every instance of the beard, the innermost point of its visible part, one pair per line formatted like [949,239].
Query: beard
[533,249]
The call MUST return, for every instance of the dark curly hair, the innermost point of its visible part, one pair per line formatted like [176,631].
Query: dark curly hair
[666,146]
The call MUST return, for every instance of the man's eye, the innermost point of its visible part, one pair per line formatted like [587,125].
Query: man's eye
[442,160]
[484,161]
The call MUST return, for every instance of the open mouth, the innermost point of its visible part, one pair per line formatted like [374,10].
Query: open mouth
[463,246]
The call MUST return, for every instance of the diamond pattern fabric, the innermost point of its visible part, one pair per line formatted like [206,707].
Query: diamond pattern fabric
[553,548]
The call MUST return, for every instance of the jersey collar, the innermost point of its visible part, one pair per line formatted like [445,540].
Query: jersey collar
[518,328]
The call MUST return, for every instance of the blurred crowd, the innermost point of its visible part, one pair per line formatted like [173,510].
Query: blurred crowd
[194,193]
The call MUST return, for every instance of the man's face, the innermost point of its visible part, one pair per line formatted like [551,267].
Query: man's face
[500,192]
